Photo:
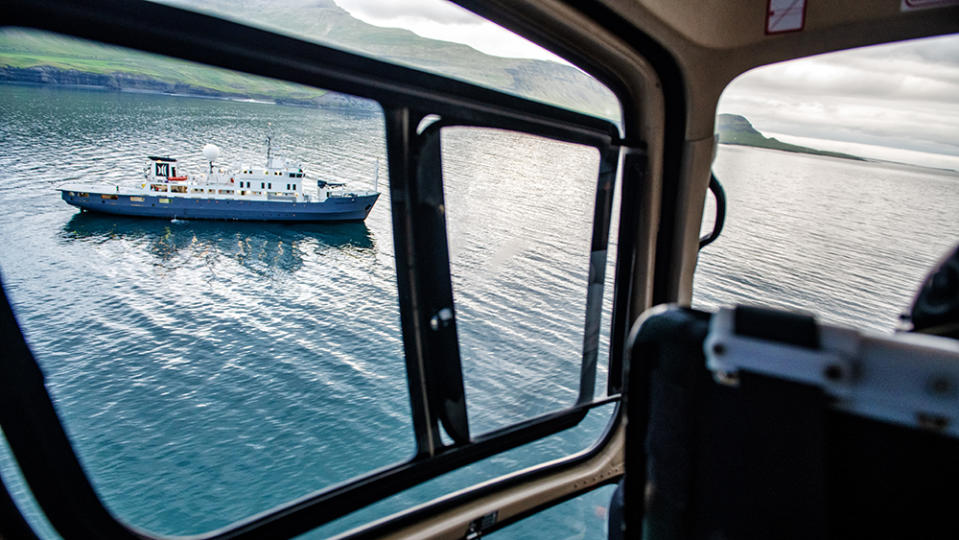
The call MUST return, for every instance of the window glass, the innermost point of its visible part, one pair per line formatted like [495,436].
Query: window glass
[205,371]
[431,35]
[562,445]
[842,176]
[520,220]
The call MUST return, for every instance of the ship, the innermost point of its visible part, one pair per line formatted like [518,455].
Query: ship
[279,191]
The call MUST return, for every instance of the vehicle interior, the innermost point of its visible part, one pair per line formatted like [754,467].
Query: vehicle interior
[756,463]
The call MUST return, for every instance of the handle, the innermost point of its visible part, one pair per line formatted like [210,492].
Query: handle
[720,194]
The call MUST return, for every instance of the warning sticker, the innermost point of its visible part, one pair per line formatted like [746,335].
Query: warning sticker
[911,5]
[787,15]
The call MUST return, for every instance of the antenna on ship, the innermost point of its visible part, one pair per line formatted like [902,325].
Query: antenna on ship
[211,152]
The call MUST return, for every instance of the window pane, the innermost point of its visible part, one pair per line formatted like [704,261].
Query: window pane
[431,35]
[561,445]
[850,234]
[520,218]
[204,370]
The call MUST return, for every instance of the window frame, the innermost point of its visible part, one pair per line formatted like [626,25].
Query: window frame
[27,413]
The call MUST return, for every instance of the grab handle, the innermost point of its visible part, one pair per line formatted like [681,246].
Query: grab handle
[717,189]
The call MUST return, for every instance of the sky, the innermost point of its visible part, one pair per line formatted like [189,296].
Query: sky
[898,102]
[439,19]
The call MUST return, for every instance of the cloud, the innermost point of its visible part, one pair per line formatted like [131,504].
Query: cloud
[410,11]
[443,20]
[901,96]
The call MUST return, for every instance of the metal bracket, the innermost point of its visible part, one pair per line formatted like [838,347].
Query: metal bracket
[906,379]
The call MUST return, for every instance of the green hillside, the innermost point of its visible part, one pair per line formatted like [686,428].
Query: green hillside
[56,59]
[29,56]
[735,129]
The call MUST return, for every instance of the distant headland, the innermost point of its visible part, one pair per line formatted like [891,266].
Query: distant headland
[735,129]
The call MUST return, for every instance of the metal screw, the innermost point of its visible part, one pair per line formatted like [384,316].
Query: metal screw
[833,372]
[442,319]
[940,385]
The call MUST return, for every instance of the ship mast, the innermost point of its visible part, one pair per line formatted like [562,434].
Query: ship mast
[269,146]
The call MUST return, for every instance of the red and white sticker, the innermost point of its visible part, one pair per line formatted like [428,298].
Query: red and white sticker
[787,16]
[912,5]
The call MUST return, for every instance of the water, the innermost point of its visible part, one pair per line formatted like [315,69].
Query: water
[848,240]
[208,371]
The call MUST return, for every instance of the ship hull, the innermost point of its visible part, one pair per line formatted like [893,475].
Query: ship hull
[334,209]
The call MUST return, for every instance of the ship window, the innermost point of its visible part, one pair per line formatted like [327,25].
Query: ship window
[111,197]
[270,185]
[262,185]
[84,194]
[178,189]
[294,187]
[226,191]
[162,169]
[163,201]
[134,198]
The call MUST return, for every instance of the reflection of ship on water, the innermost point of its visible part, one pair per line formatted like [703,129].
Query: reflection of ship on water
[259,246]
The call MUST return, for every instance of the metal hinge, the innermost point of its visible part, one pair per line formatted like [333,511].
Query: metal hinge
[480,525]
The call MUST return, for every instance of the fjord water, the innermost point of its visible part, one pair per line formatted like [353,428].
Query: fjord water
[208,371]
[850,241]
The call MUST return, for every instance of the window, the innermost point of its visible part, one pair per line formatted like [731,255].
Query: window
[358,26]
[276,407]
[841,199]
[341,363]
[505,221]
[134,198]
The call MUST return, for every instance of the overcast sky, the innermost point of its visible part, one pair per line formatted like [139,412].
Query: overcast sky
[901,96]
[439,19]
[897,102]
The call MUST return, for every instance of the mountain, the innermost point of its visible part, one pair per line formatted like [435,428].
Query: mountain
[30,56]
[735,129]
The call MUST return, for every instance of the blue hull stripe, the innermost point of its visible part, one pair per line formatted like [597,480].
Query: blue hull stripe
[333,209]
